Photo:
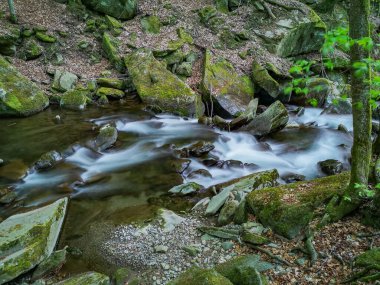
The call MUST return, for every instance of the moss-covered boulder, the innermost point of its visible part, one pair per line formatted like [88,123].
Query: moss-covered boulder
[158,86]
[27,239]
[88,278]
[31,50]
[115,83]
[272,120]
[75,99]
[110,93]
[9,35]
[64,81]
[120,9]
[111,48]
[288,209]
[264,80]
[224,90]
[18,95]
[199,276]
[106,138]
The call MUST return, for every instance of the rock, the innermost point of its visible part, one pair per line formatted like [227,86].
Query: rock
[106,138]
[44,37]
[48,160]
[151,24]
[110,93]
[185,69]
[18,95]
[292,177]
[241,213]
[186,189]
[223,88]
[252,227]
[224,233]
[64,81]
[120,9]
[9,36]
[192,250]
[271,120]
[227,245]
[111,48]
[253,238]
[32,50]
[331,166]
[198,276]
[244,270]
[169,219]
[50,264]
[264,80]
[158,86]
[27,239]
[199,173]
[111,83]
[160,249]
[227,213]
[13,170]
[75,99]
[246,184]
[368,258]
[7,195]
[200,149]
[90,278]
[318,91]
[246,117]
[288,209]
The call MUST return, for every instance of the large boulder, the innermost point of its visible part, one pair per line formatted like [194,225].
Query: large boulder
[271,120]
[226,92]
[27,239]
[18,95]
[288,209]
[120,9]
[158,86]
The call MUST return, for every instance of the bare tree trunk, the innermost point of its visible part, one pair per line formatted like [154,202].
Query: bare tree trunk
[12,11]
[359,13]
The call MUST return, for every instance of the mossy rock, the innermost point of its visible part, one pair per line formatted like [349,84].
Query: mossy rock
[50,264]
[18,95]
[368,258]
[158,86]
[233,40]
[64,81]
[88,278]
[75,99]
[288,209]
[46,38]
[223,88]
[9,36]
[111,83]
[32,50]
[111,48]
[199,276]
[111,93]
[264,80]
[208,16]
[120,9]
[27,239]
[151,24]
[185,36]
[222,5]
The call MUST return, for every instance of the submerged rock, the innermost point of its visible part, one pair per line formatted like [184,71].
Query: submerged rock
[158,86]
[48,160]
[106,138]
[90,278]
[27,239]
[18,95]
[224,90]
[50,264]
[120,9]
[271,120]
[110,93]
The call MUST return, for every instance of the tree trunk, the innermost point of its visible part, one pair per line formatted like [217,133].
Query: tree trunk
[12,11]
[359,13]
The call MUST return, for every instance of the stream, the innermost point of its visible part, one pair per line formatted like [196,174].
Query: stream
[115,185]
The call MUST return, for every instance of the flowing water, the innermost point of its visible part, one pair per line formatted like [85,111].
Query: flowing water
[116,184]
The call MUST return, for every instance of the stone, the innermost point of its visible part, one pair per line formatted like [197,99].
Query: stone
[161,249]
[199,276]
[111,48]
[192,250]
[18,95]
[244,270]
[227,245]
[186,189]
[9,36]
[111,83]
[48,160]
[331,166]
[64,81]
[264,80]
[110,93]
[7,195]
[119,9]
[32,50]
[200,148]
[106,138]
[241,213]
[253,238]
[169,220]
[290,216]
[199,173]
[151,24]
[90,278]
[227,212]
[158,86]
[50,264]
[44,37]
[246,117]
[220,232]
[75,99]
[271,120]
[223,89]
[27,239]
[246,184]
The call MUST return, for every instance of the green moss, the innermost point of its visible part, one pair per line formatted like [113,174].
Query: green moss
[288,209]
[74,99]
[32,50]
[262,78]
[198,276]
[158,86]
[88,278]
[110,93]
[111,82]
[9,36]
[111,48]
[370,257]
[151,24]
[232,40]
[43,37]
[184,35]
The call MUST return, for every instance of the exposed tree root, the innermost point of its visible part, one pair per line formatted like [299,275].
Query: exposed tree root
[368,235]
[310,247]
[271,255]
